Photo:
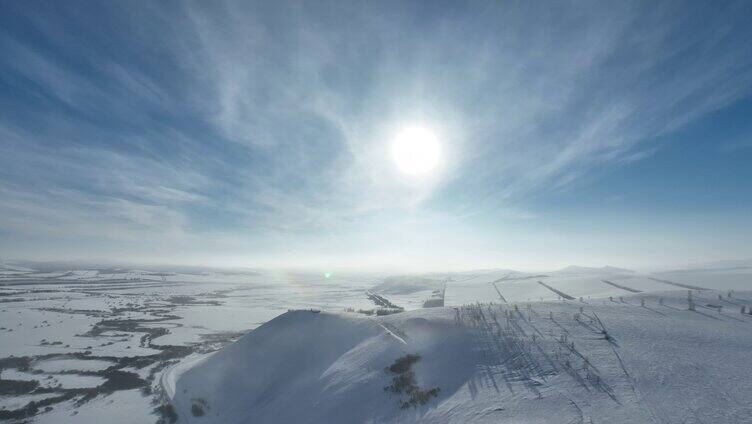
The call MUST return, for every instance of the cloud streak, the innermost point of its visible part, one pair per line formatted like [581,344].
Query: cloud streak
[264,121]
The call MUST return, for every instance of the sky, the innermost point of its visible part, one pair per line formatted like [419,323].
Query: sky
[259,134]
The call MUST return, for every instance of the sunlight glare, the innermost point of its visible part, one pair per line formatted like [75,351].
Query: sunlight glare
[416,150]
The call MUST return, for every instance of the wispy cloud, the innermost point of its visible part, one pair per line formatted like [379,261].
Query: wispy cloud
[262,119]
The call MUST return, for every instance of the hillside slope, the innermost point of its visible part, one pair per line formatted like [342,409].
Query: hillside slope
[542,362]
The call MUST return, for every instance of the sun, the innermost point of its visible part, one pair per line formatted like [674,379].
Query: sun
[416,150]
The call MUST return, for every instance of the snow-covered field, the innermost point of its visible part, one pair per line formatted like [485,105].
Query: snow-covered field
[575,345]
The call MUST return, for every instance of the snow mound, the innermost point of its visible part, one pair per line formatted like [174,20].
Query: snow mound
[310,367]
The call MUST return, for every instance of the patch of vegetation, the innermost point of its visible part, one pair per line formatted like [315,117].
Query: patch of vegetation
[190,300]
[33,407]
[116,380]
[388,311]
[197,407]
[404,382]
[420,397]
[120,380]
[403,364]
[167,414]
[20,363]
[382,301]
[197,410]
[17,387]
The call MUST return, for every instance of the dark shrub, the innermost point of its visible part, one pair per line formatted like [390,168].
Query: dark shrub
[404,363]
[168,414]
[197,410]
[17,387]
[404,382]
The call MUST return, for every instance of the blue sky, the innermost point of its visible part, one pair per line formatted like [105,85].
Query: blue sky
[258,133]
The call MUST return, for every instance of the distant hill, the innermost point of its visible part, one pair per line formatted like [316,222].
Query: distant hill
[584,270]
[407,284]
[727,265]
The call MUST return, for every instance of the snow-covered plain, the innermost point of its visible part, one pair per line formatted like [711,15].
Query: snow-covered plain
[575,345]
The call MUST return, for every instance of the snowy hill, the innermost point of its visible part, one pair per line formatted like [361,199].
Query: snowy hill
[407,284]
[643,358]
[584,270]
